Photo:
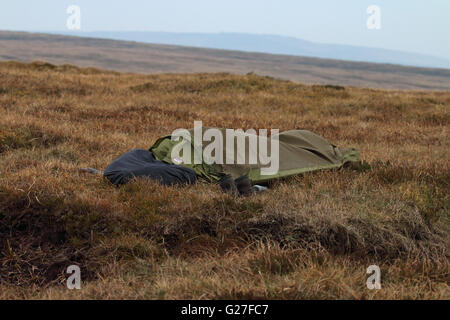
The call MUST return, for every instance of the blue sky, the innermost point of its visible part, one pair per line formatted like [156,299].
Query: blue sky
[421,26]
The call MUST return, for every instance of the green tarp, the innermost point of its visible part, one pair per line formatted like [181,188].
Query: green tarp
[299,151]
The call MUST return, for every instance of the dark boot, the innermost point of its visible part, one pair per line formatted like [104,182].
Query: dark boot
[227,184]
[244,185]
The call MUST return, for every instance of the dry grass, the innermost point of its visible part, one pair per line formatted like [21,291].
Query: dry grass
[311,236]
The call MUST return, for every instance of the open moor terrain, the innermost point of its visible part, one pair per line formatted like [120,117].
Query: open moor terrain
[307,237]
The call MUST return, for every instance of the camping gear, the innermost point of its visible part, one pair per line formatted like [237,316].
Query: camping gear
[244,185]
[91,170]
[142,163]
[228,185]
[258,188]
[300,151]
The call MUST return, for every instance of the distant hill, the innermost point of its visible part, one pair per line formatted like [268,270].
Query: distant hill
[275,44]
[127,56]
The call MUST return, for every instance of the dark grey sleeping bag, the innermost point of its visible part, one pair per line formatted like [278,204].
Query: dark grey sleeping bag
[142,163]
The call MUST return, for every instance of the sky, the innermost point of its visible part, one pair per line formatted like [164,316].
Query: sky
[421,26]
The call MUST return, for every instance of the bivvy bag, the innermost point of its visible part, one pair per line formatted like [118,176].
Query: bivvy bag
[141,163]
